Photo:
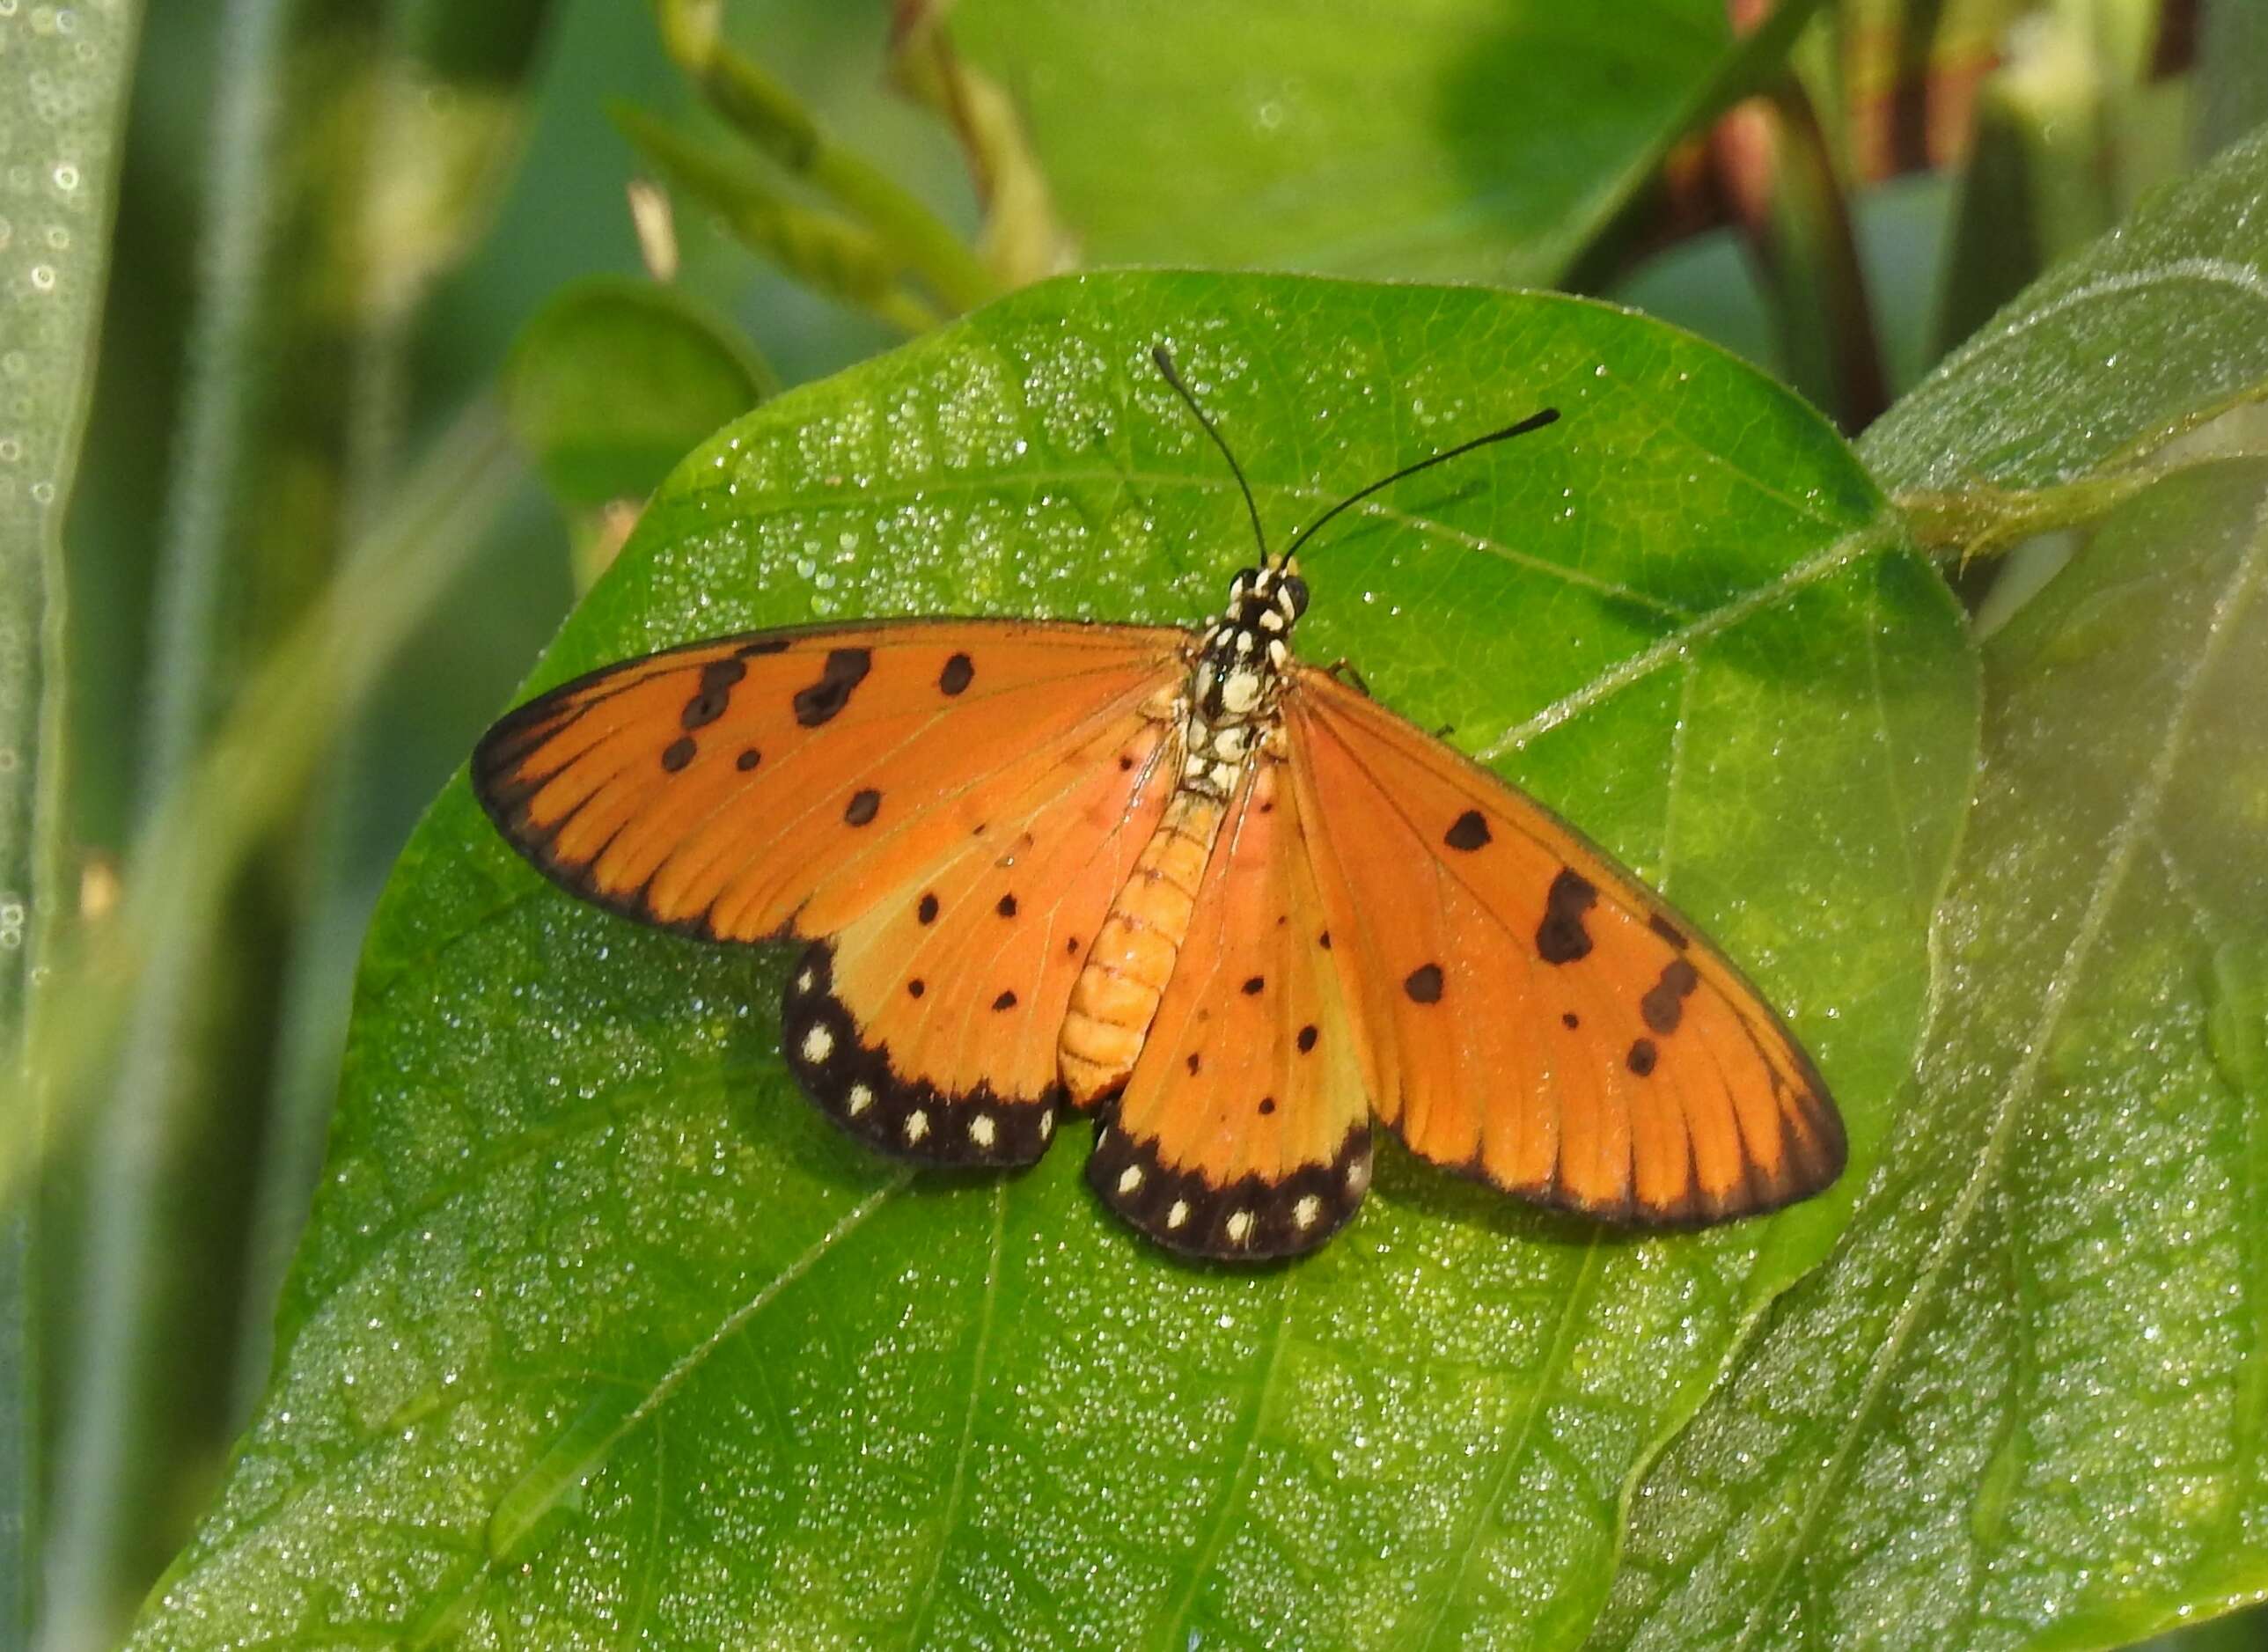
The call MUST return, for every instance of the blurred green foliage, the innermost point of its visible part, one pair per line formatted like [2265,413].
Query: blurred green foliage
[305,566]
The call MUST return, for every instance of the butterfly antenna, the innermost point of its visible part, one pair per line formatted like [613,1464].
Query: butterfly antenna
[1165,366]
[1533,422]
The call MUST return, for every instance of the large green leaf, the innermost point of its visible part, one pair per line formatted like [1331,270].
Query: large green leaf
[2025,1404]
[2067,398]
[1448,137]
[599,1330]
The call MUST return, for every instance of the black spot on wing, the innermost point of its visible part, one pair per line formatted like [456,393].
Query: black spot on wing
[1468,832]
[677,754]
[1663,1007]
[1666,930]
[1561,938]
[1424,983]
[747,760]
[715,693]
[865,804]
[1007,907]
[857,1085]
[763,645]
[1306,1037]
[1642,1057]
[844,670]
[958,673]
[927,910]
[1007,1000]
[1253,984]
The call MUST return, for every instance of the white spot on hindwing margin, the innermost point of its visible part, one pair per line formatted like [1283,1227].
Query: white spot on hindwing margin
[818,1043]
[916,1126]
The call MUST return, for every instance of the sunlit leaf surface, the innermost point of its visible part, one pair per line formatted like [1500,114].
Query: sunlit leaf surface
[2023,1405]
[600,1333]
[2085,378]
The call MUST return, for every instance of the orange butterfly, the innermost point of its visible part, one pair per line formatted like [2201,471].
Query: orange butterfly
[1185,877]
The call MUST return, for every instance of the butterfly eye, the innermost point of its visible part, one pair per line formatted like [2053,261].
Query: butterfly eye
[1293,592]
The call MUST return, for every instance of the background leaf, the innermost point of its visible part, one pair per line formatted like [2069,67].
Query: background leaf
[1486,138]
[2028,1389]
[2152,330]
[600,1329]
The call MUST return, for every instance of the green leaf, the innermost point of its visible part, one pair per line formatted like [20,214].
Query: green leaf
[2024,1404]
[66,93]
[2152,330]
[614,380]
[600,1329]
[1489,138]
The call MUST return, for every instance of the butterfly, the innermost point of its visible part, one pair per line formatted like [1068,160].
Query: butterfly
[1219,896]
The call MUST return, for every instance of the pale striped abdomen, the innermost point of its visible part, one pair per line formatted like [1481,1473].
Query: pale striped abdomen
[1116,995]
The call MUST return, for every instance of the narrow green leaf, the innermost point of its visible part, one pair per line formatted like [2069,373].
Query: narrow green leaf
[2152,330]
[1489,139]
[2024,1404]
[65,94]
[870,1406]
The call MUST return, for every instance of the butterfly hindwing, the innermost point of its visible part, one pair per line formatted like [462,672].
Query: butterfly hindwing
[1529,1013]
[1243,1131]
[929,1025]
[940,807]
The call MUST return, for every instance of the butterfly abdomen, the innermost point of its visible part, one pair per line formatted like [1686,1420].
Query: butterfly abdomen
[1116,995]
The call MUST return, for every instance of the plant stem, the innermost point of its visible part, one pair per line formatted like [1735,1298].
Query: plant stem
[834,255]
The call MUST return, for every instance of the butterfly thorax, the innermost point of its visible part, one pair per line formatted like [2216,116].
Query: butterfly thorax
[1237,677]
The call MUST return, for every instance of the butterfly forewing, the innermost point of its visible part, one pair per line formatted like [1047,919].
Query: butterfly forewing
[715,788]
[1243,1131]
[1530,1013]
